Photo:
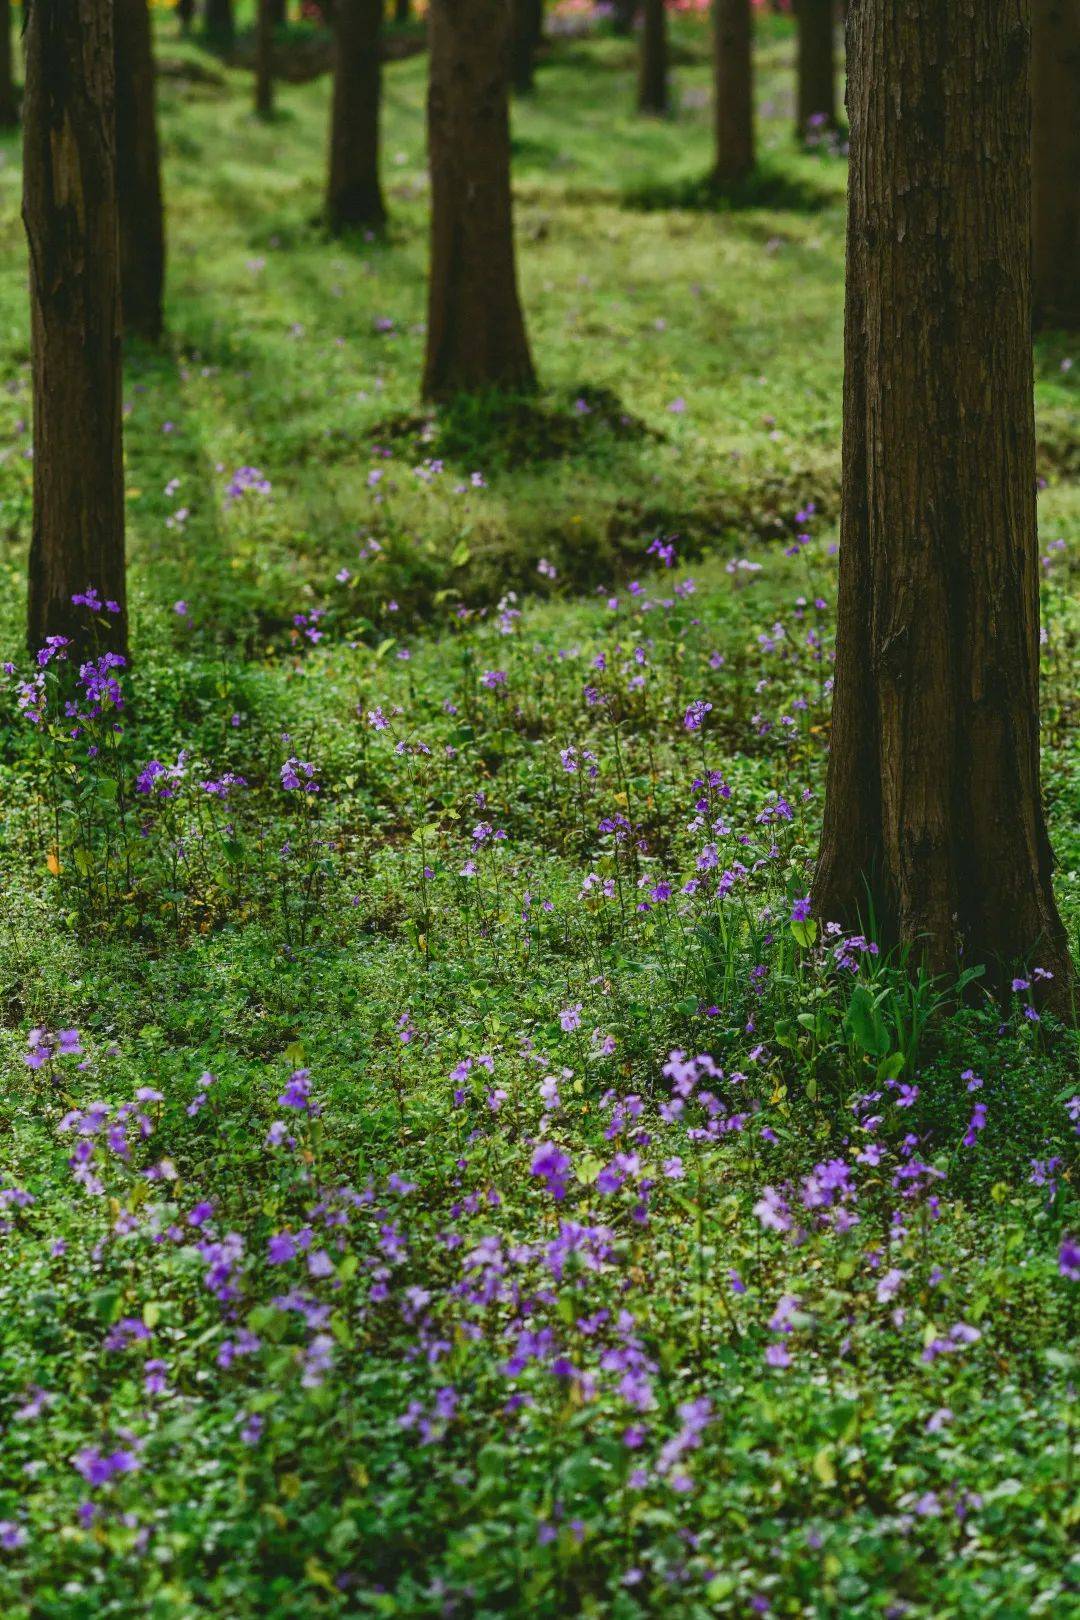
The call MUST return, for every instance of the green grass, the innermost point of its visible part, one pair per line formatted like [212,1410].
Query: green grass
[326,1472]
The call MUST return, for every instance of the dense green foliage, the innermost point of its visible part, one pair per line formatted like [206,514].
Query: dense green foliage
[366,1248]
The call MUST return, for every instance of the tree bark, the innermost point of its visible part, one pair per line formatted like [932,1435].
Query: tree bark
[185,11]
[653,69]
[475,330]
[279,13]
[734,90]
[816,68]
[9,107]
[527,27]
[401,11]
[264,59]
[1055,150]
[70,214]
[138,172]
[220,22]
[933,810]
[354,195]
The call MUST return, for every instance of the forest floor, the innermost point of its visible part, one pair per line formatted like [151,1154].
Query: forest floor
[375,1241]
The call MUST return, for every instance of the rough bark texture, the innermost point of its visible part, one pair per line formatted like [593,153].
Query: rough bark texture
[475,331]
[264,58]
[353,194]
[220,23]
[653,71]
[9,107]
[69,209]
[933,802]
[527,27]
[734,90]
[1055,149]
[816,98]
[138,172]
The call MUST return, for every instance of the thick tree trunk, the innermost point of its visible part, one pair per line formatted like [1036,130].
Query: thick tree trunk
[475,331]
[138,172]
[653,71]
[9,107]
[1055,148]
[69,209]
[353,194]
[734,90]
[816,97]
[220,22]
[933,805]
[526,31]
[264,59]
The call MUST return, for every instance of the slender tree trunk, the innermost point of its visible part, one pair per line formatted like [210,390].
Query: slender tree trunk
[185,10]
[816,68]
[9,107]
[653,69]
[527,27]
[933,805]
[475,331]
[220,22]
[353,195]
[69,209]
[1056,161]
[264,59]
[401,11]
[138,172]
[624,14]
[279,13]
[734,66]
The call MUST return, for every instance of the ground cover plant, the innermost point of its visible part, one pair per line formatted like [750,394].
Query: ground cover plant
[446,1169]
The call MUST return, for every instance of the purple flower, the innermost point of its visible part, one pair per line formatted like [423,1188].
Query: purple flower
[552,1165]
[297,1093]
[800,911]
[1069,1258]
[570,1018]
[694,717]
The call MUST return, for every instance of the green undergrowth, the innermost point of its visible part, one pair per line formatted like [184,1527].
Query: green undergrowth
[443,1169]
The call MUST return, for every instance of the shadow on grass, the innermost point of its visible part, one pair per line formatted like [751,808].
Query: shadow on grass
[497,431]
[764,187]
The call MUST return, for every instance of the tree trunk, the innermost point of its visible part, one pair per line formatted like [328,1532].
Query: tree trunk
[279,13]
[933,807]
[734,67]
[9,107]
[527,27]
[264,59]
[353,194]
[653,71]
[70,213]
[475,331]
[138,172]
[185,11]
[816,70]
[1055,73]
[220,23]
[401,11]
[624,15]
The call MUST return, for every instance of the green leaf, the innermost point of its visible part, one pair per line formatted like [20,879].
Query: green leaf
[805,932]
